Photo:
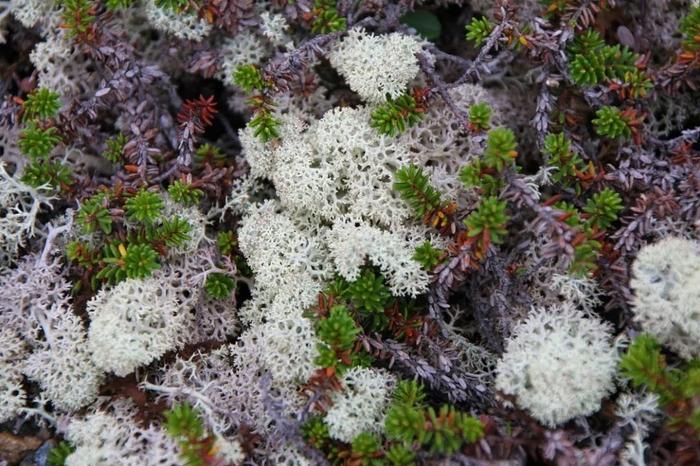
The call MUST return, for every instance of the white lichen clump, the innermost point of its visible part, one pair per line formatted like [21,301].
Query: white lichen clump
[197,236]
[338,171]
[285,260]
[245,48]
[558,364]
[639,413]
[12,394]
[62,365]
[29,12]
[274,27]
[579,292]
[114,438]
[351,242]
[20,205]
[182,26]
[229,450]
[290,348]
[133,324]
[361,406]
[666,286]
[442,146]
[61,65]
[376,66]
[35,308]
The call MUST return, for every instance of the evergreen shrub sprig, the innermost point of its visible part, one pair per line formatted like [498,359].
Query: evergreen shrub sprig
[603,207]
[444,431]
[249,78]
[396,115]
[145,206]
[37,142]
[198,447]
[478,30]
[500,149]
[133,261]
[489,221]
[338,333]
[219,285]
[173,232]
[58,454]
[41,103]
[414,188]
[690,28]
[115,148]
[480,117]
[94,214]
[78,18]
[369,292]
[678,388]
[326,17]
[427,255]
[41,173]
[567,162]
[593,62]
[226,241]
[174,5]
[184,193]
[610,122]
[118,4]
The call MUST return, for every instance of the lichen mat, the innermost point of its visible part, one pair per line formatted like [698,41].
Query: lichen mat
[352,233]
